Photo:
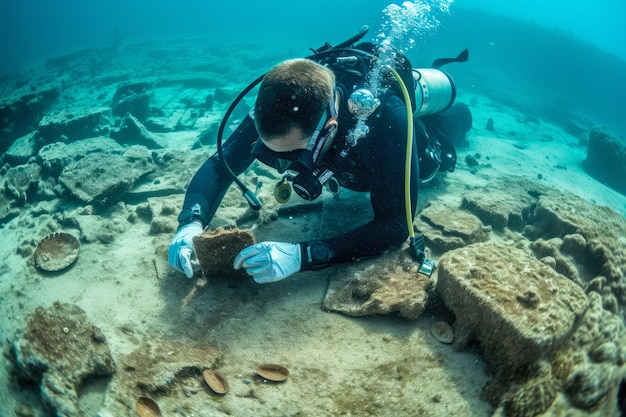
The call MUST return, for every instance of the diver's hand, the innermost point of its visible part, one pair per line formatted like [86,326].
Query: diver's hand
[269,261]
[181,248]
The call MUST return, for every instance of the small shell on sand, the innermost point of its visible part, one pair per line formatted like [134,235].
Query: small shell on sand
[442,332]
[272,372]
[147,407]
[215,381]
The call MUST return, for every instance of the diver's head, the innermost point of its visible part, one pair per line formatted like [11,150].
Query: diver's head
[291,103]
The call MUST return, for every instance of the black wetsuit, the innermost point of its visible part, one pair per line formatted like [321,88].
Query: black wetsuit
[376,164]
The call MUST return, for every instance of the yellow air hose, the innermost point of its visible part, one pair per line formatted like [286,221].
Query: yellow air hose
[409,153]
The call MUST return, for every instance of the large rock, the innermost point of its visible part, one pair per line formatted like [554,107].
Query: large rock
[606,158]
[76,124]
[21,112]
[56,156]
[60,350]
[447,228]
[388,284]
[102,178]
[20,182]
[22,149]
[519,309]
[132,132]
[506,204]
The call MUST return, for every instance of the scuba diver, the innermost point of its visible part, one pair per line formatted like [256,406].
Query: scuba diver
[317,121]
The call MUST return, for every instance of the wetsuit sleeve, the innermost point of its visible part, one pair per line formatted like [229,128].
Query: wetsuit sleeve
[211,181]
[386,156]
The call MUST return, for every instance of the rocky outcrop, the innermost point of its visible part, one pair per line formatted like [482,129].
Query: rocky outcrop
[102,178]
[517,308]
[56,156]
[59,350]
[76,124]
[446,228]
[606,158]
[389,284]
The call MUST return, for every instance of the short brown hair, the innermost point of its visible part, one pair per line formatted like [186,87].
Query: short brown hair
[294,93]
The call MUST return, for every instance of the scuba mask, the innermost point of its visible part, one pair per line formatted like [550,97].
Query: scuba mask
[300,163]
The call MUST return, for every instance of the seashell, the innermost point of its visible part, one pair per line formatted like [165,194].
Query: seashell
[147,407]
[56,251]
[215,381]
[442,332]
[272,372]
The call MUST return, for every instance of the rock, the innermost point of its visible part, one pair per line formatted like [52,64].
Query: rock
[517,308]
[20,113]
[133,132]
[22,150]
[606,158]
[508,204]
[60,350]
[76,124]
[446,228]
[387,284]
[102,178]
[162,364]
[56,156]
[216,251]
[21,182]
[134,98]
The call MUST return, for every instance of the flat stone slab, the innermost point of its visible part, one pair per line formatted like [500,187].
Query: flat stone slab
[517,308]
[389,284]
[60,349]
[102,178]
[446,228]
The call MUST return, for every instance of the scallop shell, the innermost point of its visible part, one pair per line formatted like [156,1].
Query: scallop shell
[147,407]
[56,251]
[215,381]
[272,372]
[442,332]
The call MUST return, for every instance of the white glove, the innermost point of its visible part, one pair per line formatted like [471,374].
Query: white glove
[269,261]
[181,249]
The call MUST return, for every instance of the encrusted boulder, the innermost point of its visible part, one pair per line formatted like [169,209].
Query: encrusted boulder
[132,131]
[133,97]
[22,149]
[606,158]
[507,204]
[60,350]
[76,124]
[388,284]
[102,178]
[20,182]
[56,156]
[519,309]
[446,228]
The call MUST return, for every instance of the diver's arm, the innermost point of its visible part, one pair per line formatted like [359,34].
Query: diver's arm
[389,226]
[211,181]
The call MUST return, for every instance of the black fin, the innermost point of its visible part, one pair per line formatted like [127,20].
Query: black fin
[347,43]
[462,57]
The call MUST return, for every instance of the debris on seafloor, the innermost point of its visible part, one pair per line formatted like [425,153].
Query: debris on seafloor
[56,251]
[147,407]
[215,381]
[216,250]
[442,331]
[272,372]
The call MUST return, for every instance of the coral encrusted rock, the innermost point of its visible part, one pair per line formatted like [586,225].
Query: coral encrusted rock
[102,178]
[606,158]
[384,285]
[519,309]
[60,349]
[447,228]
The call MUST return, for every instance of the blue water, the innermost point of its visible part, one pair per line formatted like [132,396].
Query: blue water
[573,49]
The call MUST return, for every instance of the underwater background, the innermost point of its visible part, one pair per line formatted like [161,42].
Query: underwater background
[107,109]
[574,50]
